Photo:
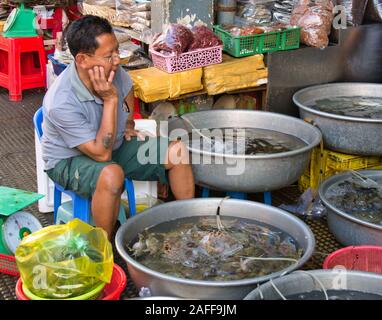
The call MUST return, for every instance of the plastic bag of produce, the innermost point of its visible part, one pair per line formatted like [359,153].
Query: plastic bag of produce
[104,3]
[139,27]
[143,21]
[315,18]
[254,12]
[204,38]
[282,10]
[123,16]
[142,14]
[141,6]
[65,261]
[355,10]
[122,12]
[175,39]
[124,4]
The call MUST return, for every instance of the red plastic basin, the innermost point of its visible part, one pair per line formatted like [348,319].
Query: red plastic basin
[112,290]
[361,258]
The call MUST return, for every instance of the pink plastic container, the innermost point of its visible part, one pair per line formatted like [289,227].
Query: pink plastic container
[188,60]
[362,258]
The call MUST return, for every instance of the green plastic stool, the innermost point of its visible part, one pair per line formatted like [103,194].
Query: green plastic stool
[65,214]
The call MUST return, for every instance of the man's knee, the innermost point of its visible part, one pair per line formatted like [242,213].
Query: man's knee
[111,179]
[177,153]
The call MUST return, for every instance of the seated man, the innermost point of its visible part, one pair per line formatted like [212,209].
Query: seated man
[89,143]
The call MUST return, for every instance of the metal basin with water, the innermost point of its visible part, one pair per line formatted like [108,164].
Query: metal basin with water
[163,285]
[347,229]
[303,283]
[345,134]
[250,173]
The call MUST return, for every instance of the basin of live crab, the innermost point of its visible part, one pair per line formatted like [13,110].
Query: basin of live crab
[277,148]
[225,263]
[354,206]
[349,115]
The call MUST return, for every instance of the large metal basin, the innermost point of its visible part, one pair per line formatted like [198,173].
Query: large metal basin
[302,282]
[163,285]
[260,173]
[341,133]
[347,229]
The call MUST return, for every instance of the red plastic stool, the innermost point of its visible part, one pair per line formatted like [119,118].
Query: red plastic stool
[54,24]
[22,65]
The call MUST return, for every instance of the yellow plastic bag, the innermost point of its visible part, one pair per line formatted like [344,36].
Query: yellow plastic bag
[152,84]
[235,74]
[65,261]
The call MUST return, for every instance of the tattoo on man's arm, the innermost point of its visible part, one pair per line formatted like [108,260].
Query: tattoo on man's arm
[106,140]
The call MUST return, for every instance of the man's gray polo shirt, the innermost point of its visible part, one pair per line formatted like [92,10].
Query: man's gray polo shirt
[72,115]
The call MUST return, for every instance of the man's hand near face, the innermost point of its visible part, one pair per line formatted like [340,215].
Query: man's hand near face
[103,87]
[100,149]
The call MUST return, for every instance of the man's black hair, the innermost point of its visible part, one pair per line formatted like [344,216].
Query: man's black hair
[81,34]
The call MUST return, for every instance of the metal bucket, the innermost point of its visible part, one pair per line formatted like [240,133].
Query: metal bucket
[163,285]
[345,134]
[260,173]
[302,282]
[347,229]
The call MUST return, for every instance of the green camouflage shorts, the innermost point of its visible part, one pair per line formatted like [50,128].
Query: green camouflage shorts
[80,174]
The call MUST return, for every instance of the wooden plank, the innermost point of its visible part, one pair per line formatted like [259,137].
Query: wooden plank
[246,90]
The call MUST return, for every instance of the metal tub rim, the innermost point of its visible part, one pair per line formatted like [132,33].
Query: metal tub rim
[336,178]
[297,101]
[292,153]
[235,283]
[317,272]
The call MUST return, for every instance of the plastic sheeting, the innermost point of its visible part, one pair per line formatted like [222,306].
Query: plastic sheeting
[235,74]
[153,84]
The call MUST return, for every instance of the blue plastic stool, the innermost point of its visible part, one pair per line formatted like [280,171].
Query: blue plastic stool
[65,214]
[81,206]
[239,195]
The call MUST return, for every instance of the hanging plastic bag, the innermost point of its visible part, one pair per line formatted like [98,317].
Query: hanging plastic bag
[65,261]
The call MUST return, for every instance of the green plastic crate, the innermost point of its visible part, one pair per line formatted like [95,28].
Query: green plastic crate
[243,46]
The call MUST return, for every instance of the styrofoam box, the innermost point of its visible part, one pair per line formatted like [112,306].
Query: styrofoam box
[146,125]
